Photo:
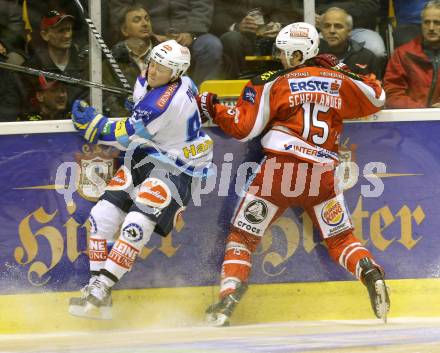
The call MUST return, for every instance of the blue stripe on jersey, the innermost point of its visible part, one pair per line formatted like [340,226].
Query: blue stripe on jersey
[139,129]
[155,102]
[193,86]
[142,80]
[123,140]
[152,106]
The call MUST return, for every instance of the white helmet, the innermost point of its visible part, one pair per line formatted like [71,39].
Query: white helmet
[172,55]
[298,36]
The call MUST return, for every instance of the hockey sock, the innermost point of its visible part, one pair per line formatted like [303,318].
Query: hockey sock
[105,219]
[135,233]
[347,250]
[237,261]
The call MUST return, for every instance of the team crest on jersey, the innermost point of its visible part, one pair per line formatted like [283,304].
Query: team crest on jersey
[332,213]
[143,114]
[97,165]
[255,212]
[133,232]
[249,95]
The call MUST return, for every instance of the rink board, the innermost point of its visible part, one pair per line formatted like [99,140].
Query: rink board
[43,240]
[182,307]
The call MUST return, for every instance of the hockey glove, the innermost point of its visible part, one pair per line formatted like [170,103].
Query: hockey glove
[343,68]
[87,121]
[325,60]
[206,103]
[129,104]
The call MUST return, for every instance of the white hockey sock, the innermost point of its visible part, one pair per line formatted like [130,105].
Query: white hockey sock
[105,219]
[135,233]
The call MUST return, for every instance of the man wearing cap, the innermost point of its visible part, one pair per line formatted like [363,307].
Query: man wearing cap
[49,101]
[58,54]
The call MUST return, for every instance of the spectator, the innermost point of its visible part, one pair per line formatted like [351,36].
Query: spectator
[132,52]
[60,55]
[336,25]
[408,18]
[365,15]
[243,32]
[49,101]
[12,93]
[412,75]
[35,11]
[12,32]
[188,23]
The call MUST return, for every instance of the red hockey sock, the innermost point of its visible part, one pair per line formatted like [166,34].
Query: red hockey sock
[347,250]
[237,261]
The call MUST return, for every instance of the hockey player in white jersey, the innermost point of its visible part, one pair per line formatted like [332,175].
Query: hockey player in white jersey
[166,153]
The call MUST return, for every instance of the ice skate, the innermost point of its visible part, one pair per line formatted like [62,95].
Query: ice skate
[373,279]
[218,314]
[95,301]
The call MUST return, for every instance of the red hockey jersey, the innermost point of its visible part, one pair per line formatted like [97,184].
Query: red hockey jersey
[300,111]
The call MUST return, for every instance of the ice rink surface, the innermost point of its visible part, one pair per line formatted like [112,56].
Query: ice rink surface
[409,335]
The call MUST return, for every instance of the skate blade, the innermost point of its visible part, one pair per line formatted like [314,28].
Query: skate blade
[91,312]
[382,307]
[216,320]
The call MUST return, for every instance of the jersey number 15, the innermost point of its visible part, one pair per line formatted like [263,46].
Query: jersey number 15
[311,121]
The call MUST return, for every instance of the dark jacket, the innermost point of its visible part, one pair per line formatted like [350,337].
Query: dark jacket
[412,77]
[228,12]
[182,16]
[76,68]
[127,65]
[11,26]
[360,60]
[12,94]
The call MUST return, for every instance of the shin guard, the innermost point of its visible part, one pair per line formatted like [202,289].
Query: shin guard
[105,220]
[347,250]
[135,233]
[237,262]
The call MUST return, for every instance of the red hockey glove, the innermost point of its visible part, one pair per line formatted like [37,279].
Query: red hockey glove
[206,102]
[343,68]
[325,60]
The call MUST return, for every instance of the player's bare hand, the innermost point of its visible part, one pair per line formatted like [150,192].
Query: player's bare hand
[272,30]
[184,39]
[160,38]
[248,24]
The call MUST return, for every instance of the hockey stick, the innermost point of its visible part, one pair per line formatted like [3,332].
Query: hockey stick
[67,79]
[104,47]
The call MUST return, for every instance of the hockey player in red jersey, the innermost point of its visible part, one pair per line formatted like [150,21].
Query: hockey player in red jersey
[298,112]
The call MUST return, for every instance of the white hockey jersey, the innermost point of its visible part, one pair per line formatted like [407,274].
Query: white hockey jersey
[167,123]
